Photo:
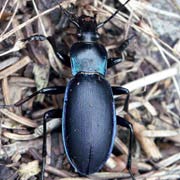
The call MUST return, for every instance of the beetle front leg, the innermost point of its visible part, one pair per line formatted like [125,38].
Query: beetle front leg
[54,113]
[124,123]
[121,90]
[64,58]
[113,61]
[48,90]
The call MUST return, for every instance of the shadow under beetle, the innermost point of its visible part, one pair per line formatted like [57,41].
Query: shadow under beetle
[88,116]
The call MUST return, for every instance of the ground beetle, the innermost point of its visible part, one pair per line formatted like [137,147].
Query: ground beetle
[88,116]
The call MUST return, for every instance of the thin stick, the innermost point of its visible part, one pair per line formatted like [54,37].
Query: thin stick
[40,20]
[4,7]
[12,17]
[14,30]
[161,133]
[147,7]
[19,119]
[150,79]
[168,64]
[15,67]
[169,161]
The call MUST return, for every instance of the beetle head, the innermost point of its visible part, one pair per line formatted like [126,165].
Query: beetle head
[87,30]
[87,26]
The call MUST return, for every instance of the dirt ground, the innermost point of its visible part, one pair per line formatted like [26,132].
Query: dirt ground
[150,69]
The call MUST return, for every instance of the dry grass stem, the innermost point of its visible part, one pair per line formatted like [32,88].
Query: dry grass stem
[150,70]
[15,67]
[169,161]
[8,34]
[19,119]
[152,78]
[161,133]
[144,6]
[3,8]
[12,17]
[145,142]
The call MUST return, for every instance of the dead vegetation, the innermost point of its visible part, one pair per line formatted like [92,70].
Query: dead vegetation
[151,71]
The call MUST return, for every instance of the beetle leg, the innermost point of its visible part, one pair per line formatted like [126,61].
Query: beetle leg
[47,90]
[64,58]
[37,37]
[113,61]
[124,123]
[121,90]
[54,113]
[125,43]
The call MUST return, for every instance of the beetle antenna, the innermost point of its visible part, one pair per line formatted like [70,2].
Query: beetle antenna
[108,19]
[70,16]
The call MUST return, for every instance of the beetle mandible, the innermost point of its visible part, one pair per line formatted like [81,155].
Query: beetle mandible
[88,115]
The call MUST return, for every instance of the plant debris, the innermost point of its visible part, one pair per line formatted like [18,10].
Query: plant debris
[150,70]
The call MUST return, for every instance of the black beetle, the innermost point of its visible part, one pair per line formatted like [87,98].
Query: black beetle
[88,116]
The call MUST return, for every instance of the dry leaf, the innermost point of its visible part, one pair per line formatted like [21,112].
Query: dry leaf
[28,170]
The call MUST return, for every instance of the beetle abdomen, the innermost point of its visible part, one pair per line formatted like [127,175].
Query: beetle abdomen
[88,122]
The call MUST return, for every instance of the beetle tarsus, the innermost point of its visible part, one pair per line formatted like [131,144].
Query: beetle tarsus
[54,113]
[37,37]
[116,60]
[126,43]
[113,61]
[65,59]
[48,90]
[124,123]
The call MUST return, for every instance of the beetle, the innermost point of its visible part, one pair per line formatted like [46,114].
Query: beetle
[88,116]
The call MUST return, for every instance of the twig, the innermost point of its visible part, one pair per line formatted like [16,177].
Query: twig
[177,86]
[152,78]
[161,133]
[51,125]
[4,7]
[58,172]
[14,30]
[12,17]
[19,119]
[8,62]
[40,20]
[145,142]
[17,46]
[108,175]
[21,147]
[145,6]
[15,67]
[172,172]
[168,161]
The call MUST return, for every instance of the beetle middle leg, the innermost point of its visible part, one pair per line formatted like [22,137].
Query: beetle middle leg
[54,113]
[48,90]
[64,58]
[121,90]
[124,123]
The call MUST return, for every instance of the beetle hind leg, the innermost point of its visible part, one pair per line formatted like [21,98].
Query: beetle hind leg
[54,113]
[124,123]
[121,90]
